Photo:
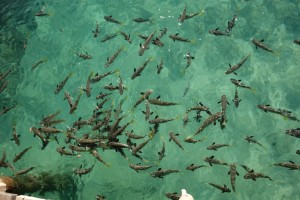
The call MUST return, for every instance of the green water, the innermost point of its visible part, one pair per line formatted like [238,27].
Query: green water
[275,80]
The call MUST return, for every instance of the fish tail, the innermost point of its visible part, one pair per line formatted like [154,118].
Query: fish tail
[152,20]
[201,13]
[193,41]
[108,164]
[71,74]
[151,58]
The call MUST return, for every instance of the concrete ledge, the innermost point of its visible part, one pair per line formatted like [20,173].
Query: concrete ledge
[9,196]
[2,186]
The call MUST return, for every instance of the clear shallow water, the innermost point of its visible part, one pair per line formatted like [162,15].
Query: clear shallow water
[274,78]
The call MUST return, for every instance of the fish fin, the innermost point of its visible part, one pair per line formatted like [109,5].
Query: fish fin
[262,40]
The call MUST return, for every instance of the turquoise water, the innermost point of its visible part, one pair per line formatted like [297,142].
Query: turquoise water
[274,79]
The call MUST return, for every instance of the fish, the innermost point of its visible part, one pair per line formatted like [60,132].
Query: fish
[145,95]
[191,140]
[111,87]
[3,86]
[96,31]
[79,123]
[222,188]
[160,173]
[23,171]
[224,104]
[85,56]
[198,116]
[95,153]
[100,197]
[232,69]
[157,42]
[21,154]
[5,74]
[87,141]
[297,42]
[35,65]
[238,83]
[162,33]
[253,175]
[36,132]
[291,165]
[199,107]
[138,71]
[79,149]
[173,196]
[215,146]
[193,167]
[285,113]
[121,86]
[74,105]
[62,84]
[63,151]
[251,139]
[216,32]
[49,130]
[41,13]
[137,148]
[126,37]
[185,119]
[157,120]
[131,135]
[212,161]
[139,167]
[188,16]
[182,17]
[88,88]
[140,20]
[68,97]
[293,132]
[102,95]
[81,171]
[175,139]
[232,172]
[109,37]
[111,19]
[144,47]
[178,38]
[230,24]
[260,44]
[111,59]
[298,152]
[159,102]
[160,66]
[3,159]
[97,77]
[147,112]
[162,152]
[6,109]
[189,59]
[15,136]
[211,119]
[236,101]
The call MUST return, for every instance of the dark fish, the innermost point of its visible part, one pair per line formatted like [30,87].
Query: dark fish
[185,119]
[193,167]
[157,42]
[211,119]
[126,37]
[138,71]
[137,148]
[15,136]
[36,132]
[253,175]
[173,196]
[147,112]
[230,24]
[298,152]
[111,59]
[215,146]
[5,74]
[162,33]
[23,171]
[35,65]
[98,77]
[177,37]
[160,173]
[261,45]
[111,19]
[145,95]
[251,139]
[285,113]
[100,197]
[159,102]
[232,172]
[95,153]
[88,88]
[41,13]
[189,59]
[232,69]
[74,105]
[4,86]
[144,47]
[157,120]
[84,56]
[200,107]
[109,37]
[131,135]
[297,42]
[224,104]
[96,31]
[238,83]
[139,167]
[21,154]
[161,153]
[140,20]
[61,85]
[175,139]
[49,130]
[81,171]
[212,161]
[187,88]
[293,132]
[63,151]
[191,140]
[291,165]
[182,17]
[160,66]
[216,32]
[188,16]
[102,95]
[222,188]
[236,99]
[6,109]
